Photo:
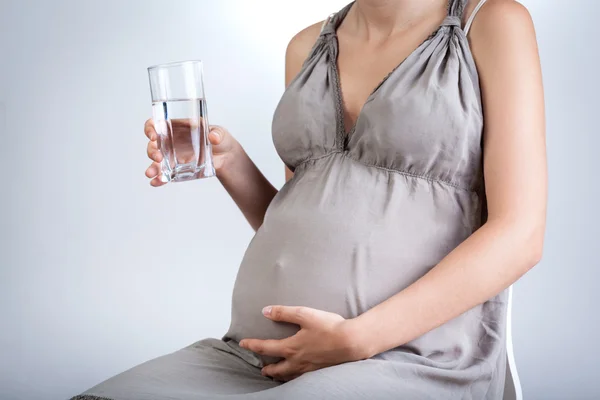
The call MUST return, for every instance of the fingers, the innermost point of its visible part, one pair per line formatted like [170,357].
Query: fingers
[157,182]
[153,170]
[295,315]
[154,173]
[273,348]
[153,153]
[149,130]
[282,371]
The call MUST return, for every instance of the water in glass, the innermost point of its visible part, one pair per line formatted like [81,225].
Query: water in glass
[182,128]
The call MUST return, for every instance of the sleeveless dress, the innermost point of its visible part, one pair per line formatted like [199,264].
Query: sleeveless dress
[365,215]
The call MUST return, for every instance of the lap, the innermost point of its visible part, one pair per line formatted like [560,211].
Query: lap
[367,379]
[211,369]
[205,370]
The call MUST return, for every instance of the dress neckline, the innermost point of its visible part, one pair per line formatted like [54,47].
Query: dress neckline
[331,28]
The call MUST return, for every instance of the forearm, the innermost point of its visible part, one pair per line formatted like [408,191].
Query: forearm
[247,186]
[481,267]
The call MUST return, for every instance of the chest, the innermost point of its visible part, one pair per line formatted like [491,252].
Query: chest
[363,65]
[360,72]
[424,119]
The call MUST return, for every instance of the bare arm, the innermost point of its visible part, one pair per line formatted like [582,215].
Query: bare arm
[510,242]
[241,178]
[244,182]
[246,185]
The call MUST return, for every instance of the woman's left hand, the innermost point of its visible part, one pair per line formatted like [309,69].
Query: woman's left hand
[324,339]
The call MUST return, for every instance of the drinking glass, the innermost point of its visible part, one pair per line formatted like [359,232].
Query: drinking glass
[181,121]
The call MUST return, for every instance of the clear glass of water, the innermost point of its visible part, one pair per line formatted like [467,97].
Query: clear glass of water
[181,121]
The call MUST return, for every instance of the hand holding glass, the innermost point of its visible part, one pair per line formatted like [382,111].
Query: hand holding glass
[181,121]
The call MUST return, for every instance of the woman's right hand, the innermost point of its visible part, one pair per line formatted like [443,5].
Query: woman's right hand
[224,146]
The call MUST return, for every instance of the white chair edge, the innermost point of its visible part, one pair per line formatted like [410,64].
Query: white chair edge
[512,386]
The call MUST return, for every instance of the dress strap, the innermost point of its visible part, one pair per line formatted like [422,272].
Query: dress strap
[456,8]
[327,21]
[334,20]
[472,16]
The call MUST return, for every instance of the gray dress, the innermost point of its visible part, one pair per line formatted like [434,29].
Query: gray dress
[365,215]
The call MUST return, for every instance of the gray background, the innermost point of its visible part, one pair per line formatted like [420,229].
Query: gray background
[99,271]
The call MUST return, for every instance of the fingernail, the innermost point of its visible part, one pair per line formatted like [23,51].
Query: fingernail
[217,134]
[267,310]
[242,343]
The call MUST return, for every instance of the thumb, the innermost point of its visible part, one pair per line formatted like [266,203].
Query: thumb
[216,135]
[221,139]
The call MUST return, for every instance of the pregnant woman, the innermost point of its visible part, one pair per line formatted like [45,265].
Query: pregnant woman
[413,138]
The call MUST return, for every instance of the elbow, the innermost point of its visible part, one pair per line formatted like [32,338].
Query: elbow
[523,242]
[534,255]
[532,246]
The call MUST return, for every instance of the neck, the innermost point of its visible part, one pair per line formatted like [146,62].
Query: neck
[386,17]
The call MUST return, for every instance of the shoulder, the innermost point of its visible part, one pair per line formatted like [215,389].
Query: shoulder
[500,18]
[502,37]
[298,49]
[505,50]
[303,41]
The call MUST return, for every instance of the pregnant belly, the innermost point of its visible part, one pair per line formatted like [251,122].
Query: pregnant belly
[312,251]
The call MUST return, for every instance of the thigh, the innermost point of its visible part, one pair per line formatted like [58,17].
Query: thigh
[367,379]
[205,370]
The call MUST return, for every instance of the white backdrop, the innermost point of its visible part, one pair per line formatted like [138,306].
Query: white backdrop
[99,271]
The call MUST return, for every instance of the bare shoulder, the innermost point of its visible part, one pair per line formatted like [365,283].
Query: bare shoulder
[303,41]
[500,17]
[503,38]
[298,49]
[504,46]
